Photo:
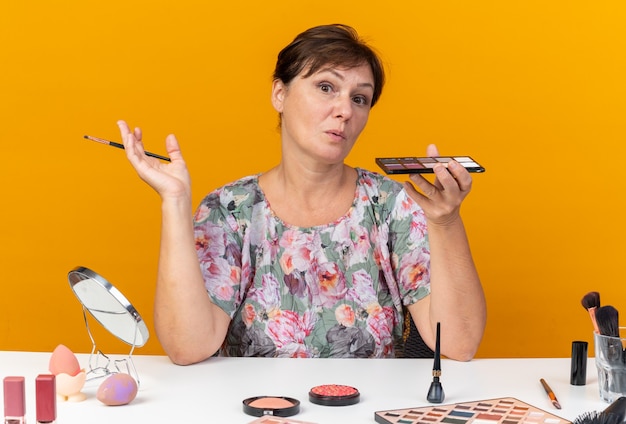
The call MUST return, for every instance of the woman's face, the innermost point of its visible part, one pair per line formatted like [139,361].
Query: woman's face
[322,115]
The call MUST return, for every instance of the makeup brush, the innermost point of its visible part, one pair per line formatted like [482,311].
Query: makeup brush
[608,323]
[607,319]
[615,413]
[597,417]
[121,146]
[617,408]
[591,302]
[435,392]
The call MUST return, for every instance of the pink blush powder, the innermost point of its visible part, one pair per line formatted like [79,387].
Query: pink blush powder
[279,406]
[334,395]
[271,403]
[334,390]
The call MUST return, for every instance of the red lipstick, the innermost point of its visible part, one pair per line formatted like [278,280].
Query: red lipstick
[45,390]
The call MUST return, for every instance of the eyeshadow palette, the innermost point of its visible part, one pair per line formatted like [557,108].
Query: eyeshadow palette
[492,411]
[424,165]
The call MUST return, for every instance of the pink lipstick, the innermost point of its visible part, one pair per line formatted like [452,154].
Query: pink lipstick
[14,400]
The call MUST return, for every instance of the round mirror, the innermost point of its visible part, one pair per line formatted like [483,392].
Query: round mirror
[108,306]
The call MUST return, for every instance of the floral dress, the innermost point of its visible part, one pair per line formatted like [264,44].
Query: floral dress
[333,290]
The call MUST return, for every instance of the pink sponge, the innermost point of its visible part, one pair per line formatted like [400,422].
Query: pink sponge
[64,361]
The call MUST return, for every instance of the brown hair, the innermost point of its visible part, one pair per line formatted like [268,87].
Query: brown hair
[337,45]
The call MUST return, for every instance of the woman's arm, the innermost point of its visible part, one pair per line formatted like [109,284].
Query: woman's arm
[456,299]
[189,326]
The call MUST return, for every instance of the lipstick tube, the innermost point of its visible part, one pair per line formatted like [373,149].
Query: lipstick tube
[14,400]
[45,391]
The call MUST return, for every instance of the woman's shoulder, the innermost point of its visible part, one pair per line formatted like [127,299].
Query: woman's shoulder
[376,183]
[242,186]
[236,195]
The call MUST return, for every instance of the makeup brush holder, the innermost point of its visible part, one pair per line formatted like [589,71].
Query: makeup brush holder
[610,358]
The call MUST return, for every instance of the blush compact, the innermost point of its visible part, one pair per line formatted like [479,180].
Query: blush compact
[334,395]
[277,406]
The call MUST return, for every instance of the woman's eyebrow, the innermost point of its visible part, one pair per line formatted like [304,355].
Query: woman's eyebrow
[341,77]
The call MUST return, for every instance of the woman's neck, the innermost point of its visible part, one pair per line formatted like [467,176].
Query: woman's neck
[308,197]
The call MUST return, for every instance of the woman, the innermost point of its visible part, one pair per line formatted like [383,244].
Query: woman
[313,258]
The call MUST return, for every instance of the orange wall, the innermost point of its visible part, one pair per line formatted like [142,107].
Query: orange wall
[535,90]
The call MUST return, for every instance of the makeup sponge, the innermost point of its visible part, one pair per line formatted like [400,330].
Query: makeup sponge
[63,361]
[70,378]
[117,389]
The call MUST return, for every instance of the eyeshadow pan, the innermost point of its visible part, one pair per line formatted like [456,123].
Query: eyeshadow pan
[489,417]
[468,164]
[450,420]
[458,413]
[416,165]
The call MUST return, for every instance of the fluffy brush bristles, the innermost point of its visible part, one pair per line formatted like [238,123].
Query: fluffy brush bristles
[617,408]
[607,318]
[591,302]
[596,417]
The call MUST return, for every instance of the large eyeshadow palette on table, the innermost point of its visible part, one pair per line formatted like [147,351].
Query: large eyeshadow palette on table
[491,411]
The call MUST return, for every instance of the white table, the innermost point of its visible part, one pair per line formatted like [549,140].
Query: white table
[213,391]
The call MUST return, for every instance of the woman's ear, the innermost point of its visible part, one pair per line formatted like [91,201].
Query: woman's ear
[278,95]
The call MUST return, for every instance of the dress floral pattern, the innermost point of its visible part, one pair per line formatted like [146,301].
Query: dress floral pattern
[334,290]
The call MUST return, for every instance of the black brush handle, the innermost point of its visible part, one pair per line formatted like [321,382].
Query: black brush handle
[617,408]
[437,364]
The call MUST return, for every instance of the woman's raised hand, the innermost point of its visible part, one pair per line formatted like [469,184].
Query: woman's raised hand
[168,179]
[441,200]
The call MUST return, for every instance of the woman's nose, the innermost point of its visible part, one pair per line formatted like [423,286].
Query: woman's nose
[343,107]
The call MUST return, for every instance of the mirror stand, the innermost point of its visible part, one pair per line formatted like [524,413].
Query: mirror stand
[108,306]
[100,365]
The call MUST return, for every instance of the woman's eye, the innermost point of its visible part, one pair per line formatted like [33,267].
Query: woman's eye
[360,100]
[326,88]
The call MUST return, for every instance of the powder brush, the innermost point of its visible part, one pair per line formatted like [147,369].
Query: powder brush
[617,408]
[591,302]
[608,323]
[615,413]
[607,318]
[597,417]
